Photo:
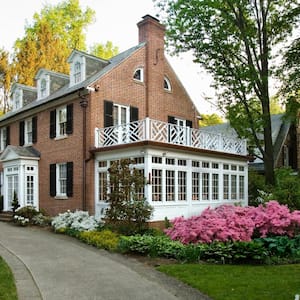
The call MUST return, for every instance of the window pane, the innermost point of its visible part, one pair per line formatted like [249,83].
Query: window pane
[156,185]
[181,185]
[170,185]
[62,179]
[205,186]
[195,185]
[215,186]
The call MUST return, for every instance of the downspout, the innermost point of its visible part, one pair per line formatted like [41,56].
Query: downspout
[84,105]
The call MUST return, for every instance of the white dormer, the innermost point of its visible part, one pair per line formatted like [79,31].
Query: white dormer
[49,82]
[77,70]
[21,95]
[83,66]
[43,84]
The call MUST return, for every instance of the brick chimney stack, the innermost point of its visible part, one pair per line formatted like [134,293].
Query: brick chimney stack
[152,32]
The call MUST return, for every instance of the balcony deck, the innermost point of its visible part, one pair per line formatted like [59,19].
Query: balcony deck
[158,131]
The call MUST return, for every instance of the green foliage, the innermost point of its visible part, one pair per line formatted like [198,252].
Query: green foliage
[30,215]
[8,289]
[6,76]
[209,120]
[104,239]
[104,51]
[264,250]
[286,189]
[128,211]
[233,41]
[256,186]
[55,32]
[15,202]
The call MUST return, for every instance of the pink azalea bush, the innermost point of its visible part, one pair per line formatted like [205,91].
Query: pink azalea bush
[234,223]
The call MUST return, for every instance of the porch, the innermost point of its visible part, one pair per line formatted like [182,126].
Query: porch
[166,133]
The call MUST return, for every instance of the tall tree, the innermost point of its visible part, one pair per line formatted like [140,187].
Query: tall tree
[104,51]
[233,40]
[209,120]
[290,78]
[48,42]
[6,75]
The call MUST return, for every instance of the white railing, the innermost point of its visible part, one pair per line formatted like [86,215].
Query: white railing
[162,132]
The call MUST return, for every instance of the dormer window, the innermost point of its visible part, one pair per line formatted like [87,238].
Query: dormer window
[43,88]
[139,75]
[77,72]
[167,84]
[43,85]
[17,99]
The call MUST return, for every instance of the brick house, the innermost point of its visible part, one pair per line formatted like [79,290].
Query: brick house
[62,135]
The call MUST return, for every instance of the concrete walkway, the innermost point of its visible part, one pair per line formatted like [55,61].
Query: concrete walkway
[56,267]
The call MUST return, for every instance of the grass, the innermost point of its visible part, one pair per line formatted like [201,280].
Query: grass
[8,289]
[239,282]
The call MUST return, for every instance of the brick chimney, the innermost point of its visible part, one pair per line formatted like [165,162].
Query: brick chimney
[152,32]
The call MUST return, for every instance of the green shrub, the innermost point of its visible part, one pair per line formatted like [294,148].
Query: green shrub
[104,239]
[29,215]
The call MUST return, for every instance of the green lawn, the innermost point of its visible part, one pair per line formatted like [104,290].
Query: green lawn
[7,284]
[239,282]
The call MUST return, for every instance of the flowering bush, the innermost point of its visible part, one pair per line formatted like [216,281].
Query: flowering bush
[78,220]
[231,223]
[20,220]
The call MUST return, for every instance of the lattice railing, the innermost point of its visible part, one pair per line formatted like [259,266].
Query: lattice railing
[162,132]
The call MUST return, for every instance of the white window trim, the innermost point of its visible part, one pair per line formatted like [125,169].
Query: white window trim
[82,61]
[60,195]
[141,70]
[57,125]
[2,140]
[39,85]
[17,93]
[26,128]
[169,86]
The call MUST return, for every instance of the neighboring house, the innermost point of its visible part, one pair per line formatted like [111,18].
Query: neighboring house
[61,137]
[284,137]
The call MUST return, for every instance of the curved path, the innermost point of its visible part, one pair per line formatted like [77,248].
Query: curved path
[50,266]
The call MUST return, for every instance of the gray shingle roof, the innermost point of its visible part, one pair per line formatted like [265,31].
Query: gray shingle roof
[113,62]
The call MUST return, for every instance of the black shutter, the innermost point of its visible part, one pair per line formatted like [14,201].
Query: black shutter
[171,120]
[108,113]
[70,179]
[7,135]
[34,129]
[52,124]
[21,133]
[53,180]
[69,129]
[134,114]
[189,123]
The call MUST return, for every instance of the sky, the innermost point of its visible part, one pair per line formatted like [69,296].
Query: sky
[116,22]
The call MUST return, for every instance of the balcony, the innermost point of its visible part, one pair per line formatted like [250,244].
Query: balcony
[161,132]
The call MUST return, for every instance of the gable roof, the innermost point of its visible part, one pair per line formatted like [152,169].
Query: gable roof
[280,129]
[66,90]
[19,152]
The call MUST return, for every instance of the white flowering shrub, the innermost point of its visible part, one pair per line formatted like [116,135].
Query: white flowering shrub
[20,220]
[78,220]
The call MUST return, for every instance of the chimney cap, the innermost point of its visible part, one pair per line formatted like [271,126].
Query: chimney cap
[150,17]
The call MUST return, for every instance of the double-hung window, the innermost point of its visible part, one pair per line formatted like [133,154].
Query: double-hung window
[4,135]
[61,121]
[61,180]
[28,131]
[77,72]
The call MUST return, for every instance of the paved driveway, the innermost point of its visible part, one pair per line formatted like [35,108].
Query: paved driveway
[51,266]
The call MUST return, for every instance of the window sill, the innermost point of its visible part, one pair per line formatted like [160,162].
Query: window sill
[61,137]
[61,197]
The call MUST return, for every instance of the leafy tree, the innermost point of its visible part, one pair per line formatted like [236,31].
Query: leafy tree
[128,210]
[6,74]
[104,51]
[289,74]
[232,40]
[209,120]
[48,42]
